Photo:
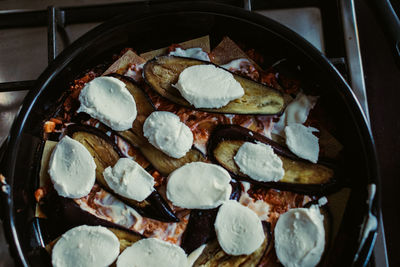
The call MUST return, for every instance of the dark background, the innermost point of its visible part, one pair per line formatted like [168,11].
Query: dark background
[382,77]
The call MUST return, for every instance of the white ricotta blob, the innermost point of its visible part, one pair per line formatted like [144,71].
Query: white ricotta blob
[259,162]
[86,246]
[108,100]
[239,230]
[206,86]
[301,141]
[165,131]
[300,237]
[199,185]
[235,65]
[72,169]
[195,52]
[128,179]
[296,112]
[152,252]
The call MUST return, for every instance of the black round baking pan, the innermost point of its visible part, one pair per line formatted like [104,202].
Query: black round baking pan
[156,26]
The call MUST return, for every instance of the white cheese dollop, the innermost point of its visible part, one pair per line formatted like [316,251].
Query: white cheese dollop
[165,131]
[108,100]
[195,52]
[199,185]
[296,112]
[239,230]
[128,179]
[300,237]
[86,246]
[206,86]
[259,162]
[301,141]
[72,169]
[152,252]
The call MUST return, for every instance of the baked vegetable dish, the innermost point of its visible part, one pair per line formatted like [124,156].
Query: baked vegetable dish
[190,156]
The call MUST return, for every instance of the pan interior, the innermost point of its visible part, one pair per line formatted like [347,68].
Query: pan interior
[159,30]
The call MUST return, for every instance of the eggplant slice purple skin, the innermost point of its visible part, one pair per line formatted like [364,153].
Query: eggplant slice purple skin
[232,136]
[162,72]
[64,214]
[105,154]
[74,128]
[200,228]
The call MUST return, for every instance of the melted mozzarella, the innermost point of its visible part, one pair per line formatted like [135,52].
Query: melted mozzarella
[300,237]
[135,72]
[206,86]
[128,179]
[72,169]
[86,246]
[322,201]
[296,112]
[260,207]
[234,65]
[259,162]
[165,131]
[152,252]
[301,141]
[239,230]
[196,53]
[108,100]
[199,185]
[106,206]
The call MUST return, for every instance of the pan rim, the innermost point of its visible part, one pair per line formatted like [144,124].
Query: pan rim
[10,157]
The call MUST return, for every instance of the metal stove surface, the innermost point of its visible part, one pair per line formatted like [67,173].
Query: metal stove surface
[23,56]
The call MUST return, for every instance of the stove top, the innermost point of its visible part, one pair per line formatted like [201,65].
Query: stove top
[32,38]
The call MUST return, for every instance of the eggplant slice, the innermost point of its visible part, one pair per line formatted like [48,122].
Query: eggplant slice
[64,214]
[162,72]
[105,154]
[160,161]
[214,256]
[300,175]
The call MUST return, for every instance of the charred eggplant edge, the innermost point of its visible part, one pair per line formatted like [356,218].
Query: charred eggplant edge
[186,104]
[235,132]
